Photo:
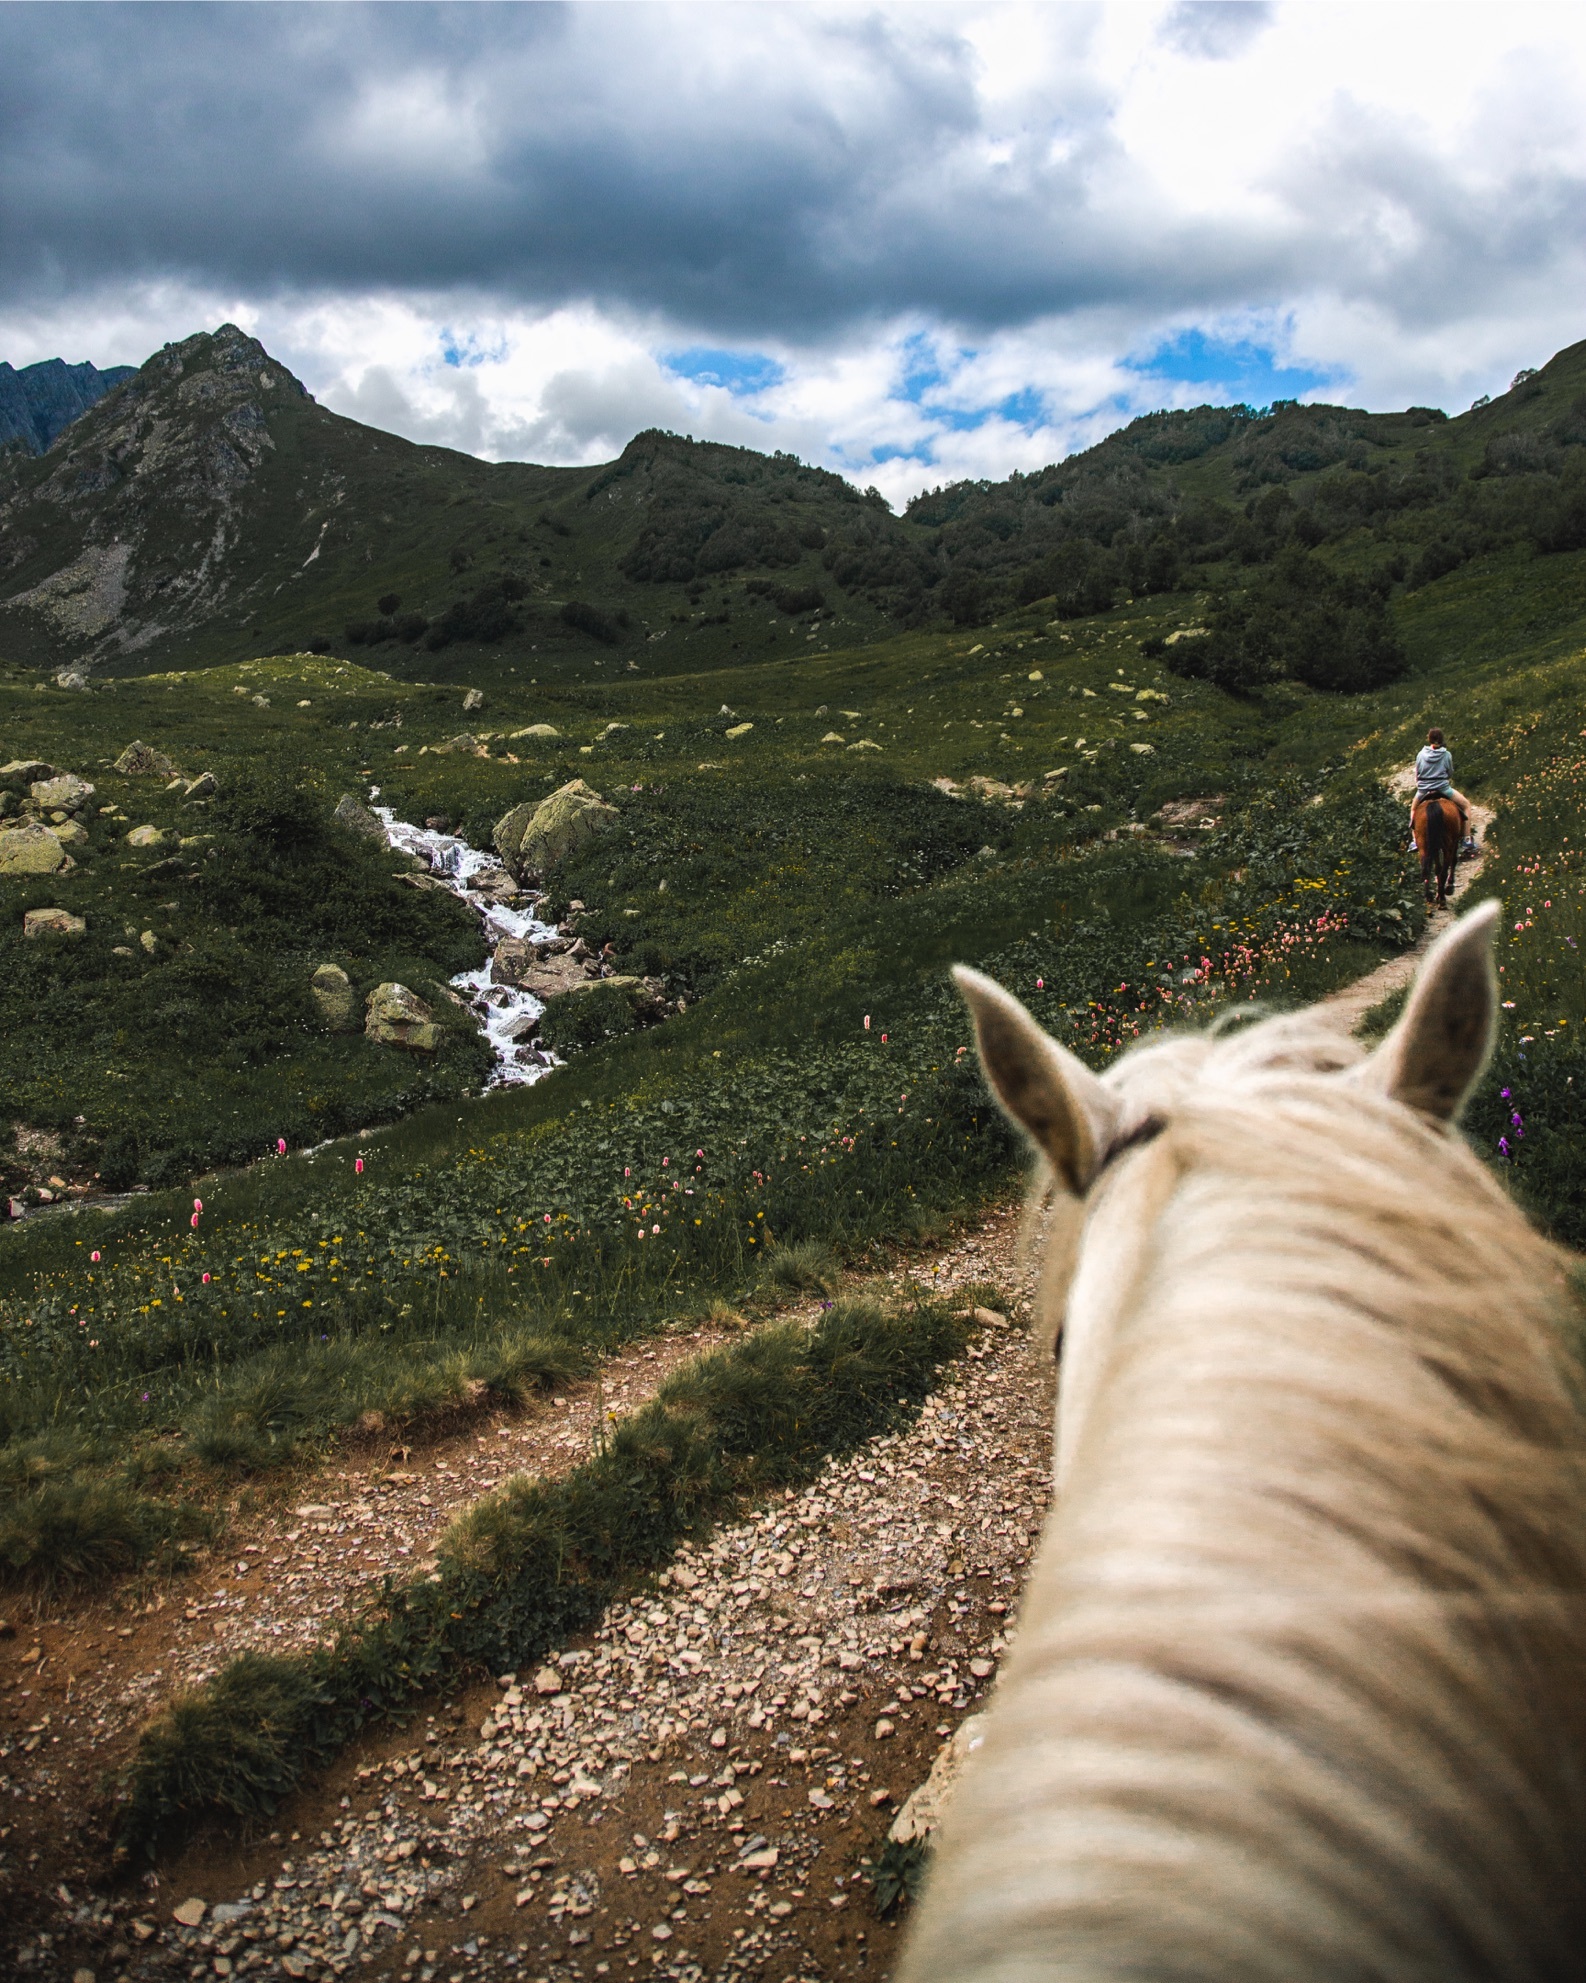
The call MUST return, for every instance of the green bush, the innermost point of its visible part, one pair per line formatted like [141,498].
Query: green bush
[578,1020]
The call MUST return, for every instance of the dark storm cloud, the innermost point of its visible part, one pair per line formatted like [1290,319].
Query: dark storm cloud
[762,171]
[544,153]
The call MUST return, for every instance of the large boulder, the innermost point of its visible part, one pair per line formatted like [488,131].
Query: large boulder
[52,922]
[146,836]
[353,816]
[23,771]
[333,994]
[31,848]
[141,760]
[516,962]
[67,793]
[532,838]
[400,1018]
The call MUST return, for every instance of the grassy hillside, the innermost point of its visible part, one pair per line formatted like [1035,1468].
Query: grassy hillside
[804,839]
[208,511]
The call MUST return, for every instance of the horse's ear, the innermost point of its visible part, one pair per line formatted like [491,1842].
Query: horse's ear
[1055,1099]
[1435,1054]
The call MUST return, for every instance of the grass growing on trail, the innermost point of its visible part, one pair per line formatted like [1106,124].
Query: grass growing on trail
[541,1559]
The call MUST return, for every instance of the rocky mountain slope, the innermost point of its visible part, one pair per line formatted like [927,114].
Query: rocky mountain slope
[209,511]
[41,401]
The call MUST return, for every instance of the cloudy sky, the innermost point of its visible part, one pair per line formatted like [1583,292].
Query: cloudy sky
[913,242]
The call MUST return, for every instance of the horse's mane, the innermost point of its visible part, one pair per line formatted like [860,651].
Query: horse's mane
[1299,1690]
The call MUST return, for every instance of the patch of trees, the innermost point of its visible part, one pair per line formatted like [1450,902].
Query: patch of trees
[584,618]
[786,598]
[1300,621]
[407,627]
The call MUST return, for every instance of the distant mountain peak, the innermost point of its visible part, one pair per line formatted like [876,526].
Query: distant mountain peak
[39,402]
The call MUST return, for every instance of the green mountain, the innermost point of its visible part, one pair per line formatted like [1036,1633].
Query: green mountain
[207,510]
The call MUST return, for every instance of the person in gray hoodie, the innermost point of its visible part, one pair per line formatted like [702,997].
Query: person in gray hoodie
[1434,779]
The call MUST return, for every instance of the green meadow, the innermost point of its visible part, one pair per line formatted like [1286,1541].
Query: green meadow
[804,841]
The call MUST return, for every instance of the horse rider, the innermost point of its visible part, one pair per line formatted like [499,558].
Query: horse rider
[1434,774]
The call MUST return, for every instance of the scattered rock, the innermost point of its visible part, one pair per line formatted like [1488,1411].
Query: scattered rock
[474,699]
[534,730]
[201,787]
[399,1018]
[831,737]
[150,942]
[531,838]
[1201,813]
[52,922]
[140,760]
[146,836]
[64,793]
[353,816]
[188,1912]
[24,770]
[740,730]
[32,848]
[518,963]
[71,833]
[864,744]
[333,993]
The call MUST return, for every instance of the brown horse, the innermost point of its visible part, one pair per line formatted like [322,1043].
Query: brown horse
[1436,822]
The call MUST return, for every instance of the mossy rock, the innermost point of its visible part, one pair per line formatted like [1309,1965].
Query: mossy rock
[333,993]
[397,1017]
[32,849]
[531,838]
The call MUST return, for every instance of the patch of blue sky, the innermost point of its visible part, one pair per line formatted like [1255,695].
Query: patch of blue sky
[1025,408]
[464,351]
[921,368]
[1229,370]
[739,372]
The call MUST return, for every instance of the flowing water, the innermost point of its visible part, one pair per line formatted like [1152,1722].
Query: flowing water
[503,1011]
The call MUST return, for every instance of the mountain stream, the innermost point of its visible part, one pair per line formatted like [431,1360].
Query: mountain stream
[505,1014]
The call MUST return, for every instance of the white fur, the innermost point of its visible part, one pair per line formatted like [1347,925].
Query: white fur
[1299,1690]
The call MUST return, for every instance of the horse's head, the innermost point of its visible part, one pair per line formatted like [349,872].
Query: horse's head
[1106,1145]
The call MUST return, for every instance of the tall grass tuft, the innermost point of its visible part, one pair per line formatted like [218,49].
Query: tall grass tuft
[807,1266]
[76,1532]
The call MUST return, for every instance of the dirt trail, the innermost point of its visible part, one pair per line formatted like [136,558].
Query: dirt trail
[1348,1007]
[77,1683]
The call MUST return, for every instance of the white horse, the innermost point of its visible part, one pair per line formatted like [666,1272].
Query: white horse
[1299,1688]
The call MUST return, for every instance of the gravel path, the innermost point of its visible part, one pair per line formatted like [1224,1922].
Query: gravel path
[693,1788]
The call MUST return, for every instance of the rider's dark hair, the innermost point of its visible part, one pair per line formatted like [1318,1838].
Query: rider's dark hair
[1434,736]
